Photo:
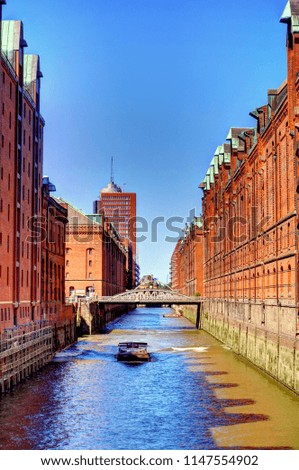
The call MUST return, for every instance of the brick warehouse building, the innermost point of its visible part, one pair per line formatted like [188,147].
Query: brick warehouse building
[187,261]
[53,236]
[95,263]
[120,208]
[23,310]
[251,222]
[21,166]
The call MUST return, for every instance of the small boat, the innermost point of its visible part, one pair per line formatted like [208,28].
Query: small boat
[133,352]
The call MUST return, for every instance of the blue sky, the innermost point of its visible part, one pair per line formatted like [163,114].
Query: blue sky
[154,83]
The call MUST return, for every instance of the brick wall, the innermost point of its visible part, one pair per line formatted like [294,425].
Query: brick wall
[95,257]
[187,262]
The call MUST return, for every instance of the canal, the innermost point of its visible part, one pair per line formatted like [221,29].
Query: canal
[194,394]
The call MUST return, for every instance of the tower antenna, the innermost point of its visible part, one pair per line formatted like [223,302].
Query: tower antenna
[112,171]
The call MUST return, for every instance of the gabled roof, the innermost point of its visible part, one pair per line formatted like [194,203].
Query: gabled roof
[233,136]
[11,37]
[291,15]
[31,73]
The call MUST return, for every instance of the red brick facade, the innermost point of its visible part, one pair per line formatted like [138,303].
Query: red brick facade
[31,226]
[20,180]
[95,258]
[251,227]
[250,205]
[187,261]
[120,208]
[54,308]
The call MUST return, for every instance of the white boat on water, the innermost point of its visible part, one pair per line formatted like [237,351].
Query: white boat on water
[133,351]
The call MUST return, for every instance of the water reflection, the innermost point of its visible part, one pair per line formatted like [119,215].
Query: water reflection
[194,394]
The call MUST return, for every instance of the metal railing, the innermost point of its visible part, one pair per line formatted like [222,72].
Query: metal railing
[19,337]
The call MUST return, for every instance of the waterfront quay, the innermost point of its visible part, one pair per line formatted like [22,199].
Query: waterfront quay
[194,394]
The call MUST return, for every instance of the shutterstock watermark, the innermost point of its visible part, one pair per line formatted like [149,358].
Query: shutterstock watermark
[236,229]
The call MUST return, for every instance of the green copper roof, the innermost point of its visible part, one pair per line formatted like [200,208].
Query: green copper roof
[233,138]
[197,221]
[286,13]
[208,186]
[31,69]
[226,157]
[221,154]
[211,174]
[217,161]
[291,14]
[11,37]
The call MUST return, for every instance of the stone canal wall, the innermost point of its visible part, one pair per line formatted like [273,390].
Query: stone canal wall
[266,335]
[26,349]
[91,317]
[23,352]
[188,311]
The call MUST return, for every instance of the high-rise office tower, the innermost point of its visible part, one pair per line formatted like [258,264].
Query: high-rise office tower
[119,207]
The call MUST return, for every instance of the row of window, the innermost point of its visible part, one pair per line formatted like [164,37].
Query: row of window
[67,263]
[7,275]
[24,312]
[67,276]
[5,314]
[10,85]
[88,250]
[11,97]
[112,198]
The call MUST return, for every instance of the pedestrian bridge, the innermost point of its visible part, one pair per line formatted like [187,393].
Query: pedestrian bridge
[152,297]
